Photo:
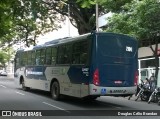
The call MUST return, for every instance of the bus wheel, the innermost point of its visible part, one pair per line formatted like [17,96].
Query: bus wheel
[55,91]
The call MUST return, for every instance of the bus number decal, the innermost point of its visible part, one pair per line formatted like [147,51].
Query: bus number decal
[129,49]
[85,71]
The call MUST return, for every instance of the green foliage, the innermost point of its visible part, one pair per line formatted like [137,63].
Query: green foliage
[86,3]
[25,20]
[104,6]
[3,58]
[6,54]
[5,19]
[81,18]
[138,18]
[110,5]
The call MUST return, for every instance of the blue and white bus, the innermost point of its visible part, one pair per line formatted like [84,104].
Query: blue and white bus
[87,66]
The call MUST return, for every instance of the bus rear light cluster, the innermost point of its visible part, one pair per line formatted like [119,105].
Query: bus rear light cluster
[135,78]
[96,80]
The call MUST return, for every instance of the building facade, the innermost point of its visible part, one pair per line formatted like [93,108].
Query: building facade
[146,63]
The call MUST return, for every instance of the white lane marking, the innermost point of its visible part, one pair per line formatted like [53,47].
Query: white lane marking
[55,107]
[3,86]
[118,107]
[20,93]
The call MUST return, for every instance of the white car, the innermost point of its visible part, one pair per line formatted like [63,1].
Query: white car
[3,73]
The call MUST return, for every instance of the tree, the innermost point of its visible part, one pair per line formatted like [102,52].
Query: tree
[29,18]
[25,20]
[105,6]
[140,19]
[6,54]
[34,19]
[82,18]
[5,19]
[3,58]
[110,5]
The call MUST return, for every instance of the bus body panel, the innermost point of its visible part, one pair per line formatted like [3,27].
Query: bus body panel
[117,65]
[115,57]
[38,79]
[112,91]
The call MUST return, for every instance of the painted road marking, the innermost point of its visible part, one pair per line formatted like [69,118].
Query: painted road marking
[55,107]
[3,86]
[20,93]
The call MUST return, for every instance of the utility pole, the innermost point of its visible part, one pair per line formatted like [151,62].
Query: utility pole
[69,20]
[97,26]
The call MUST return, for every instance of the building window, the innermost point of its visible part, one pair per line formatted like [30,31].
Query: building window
[148,63]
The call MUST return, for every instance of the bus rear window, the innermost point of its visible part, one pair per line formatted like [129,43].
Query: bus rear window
[116,46]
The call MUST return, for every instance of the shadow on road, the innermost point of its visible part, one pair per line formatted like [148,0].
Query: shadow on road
[94,104]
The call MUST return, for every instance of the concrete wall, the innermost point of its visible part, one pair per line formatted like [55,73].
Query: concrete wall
[144,53]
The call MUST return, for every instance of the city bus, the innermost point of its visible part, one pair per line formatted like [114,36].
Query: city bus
[87,66]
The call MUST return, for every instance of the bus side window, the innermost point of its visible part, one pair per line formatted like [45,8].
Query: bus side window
[48,56]
[67,55]
[38,57]
[84,52]
[23,58]
[33,57]
[80,52]
[83,58]
[75,59]
[29,58]
[54,55]
[76,53]
[42,56]
[17,61]
[64,54]
[61,54]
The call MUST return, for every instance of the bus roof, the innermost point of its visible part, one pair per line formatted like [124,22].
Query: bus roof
[61,41]
[65,40]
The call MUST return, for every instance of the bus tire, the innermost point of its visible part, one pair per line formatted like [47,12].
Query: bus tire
[55,91]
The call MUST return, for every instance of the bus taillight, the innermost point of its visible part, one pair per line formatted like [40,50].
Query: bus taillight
[96,77]
[135,78]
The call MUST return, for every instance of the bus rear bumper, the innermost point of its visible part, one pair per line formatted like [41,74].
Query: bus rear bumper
[112,91]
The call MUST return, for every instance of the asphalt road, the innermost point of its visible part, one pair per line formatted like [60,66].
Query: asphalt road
[13,98]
